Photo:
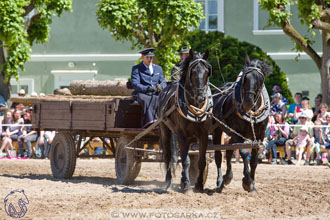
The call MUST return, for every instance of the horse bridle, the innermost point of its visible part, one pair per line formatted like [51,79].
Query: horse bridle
[191,65]
[193,109]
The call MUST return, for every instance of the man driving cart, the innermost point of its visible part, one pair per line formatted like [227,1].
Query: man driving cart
[147,81]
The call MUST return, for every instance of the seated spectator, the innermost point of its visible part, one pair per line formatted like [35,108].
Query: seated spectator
[303,139]
[326,138]
[277,89]
[277,105]
[28,135]
[8,116]
[317,107]
[293,107]
[12,132]
[3,105]
[322,115]
[306,109]
[280,135]
[303,121]
[16,105]
[318,141]
[269,130]
[44,142]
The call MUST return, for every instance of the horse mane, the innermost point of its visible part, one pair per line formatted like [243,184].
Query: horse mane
[265,68]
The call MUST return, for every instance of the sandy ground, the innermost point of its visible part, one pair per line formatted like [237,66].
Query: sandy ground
[284,192]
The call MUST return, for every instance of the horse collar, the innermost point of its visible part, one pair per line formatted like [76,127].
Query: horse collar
[260,114]
[189,112]
[263,111]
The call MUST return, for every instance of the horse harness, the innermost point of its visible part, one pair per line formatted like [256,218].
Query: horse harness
[182,105]
[185,109]
[237,99]
[253,117]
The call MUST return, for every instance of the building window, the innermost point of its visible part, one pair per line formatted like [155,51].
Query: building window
[23,83]
[63,78]
[214,15]
[260,20]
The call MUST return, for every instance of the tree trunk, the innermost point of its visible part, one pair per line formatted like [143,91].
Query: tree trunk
[325,69]
[4,87]
[103,88]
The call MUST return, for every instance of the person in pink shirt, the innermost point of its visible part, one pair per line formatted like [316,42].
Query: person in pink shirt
[322,116]
[303,139]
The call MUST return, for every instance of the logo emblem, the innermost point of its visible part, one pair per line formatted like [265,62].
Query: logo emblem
[15,204]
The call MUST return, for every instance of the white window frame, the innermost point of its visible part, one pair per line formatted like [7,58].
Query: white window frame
[65,77]
[256,28]
[221,16]
[23,81]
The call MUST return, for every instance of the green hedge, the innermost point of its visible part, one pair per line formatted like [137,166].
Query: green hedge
[231,56]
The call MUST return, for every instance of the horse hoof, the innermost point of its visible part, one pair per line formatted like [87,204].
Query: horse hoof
[247,187]
[219,189]
[185,187]
[227,179]
[198,188]
[168,186]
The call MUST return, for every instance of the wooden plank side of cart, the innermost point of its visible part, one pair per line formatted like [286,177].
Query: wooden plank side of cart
[111,115]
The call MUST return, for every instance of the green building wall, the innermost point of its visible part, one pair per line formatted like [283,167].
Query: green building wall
[79,47]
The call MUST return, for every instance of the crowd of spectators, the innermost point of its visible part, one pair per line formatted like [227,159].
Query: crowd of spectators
[16,126]
[298,127]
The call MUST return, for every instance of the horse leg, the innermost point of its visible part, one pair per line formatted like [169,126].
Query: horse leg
[229,174]
[246,181]
[184,147]
[202,161]
[165,144]
[253,165]
[218,160]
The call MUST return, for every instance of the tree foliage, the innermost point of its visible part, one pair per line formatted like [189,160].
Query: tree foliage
[161,24]
[227,57]
[23,22]
[315,14]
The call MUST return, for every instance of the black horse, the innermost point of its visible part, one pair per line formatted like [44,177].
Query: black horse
[246,99]
[189,99]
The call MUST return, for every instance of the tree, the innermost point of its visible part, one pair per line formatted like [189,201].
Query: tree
[23,22]
[161,24]
[316,16]
[227,57]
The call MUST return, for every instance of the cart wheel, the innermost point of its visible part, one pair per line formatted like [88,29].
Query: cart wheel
[194,170]
[127,168]
[62,156]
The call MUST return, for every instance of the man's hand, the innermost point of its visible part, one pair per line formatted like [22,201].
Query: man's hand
[151,89]
[159,87]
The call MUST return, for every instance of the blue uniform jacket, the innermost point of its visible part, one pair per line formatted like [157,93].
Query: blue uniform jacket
[142,78]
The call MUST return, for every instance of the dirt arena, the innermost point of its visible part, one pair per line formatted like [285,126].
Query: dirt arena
[284,192]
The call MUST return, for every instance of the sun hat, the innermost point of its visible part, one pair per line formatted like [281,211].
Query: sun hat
[277,95]
[21,92]
[276,88]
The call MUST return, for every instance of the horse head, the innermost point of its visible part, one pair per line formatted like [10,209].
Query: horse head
[253,78]
[196,71]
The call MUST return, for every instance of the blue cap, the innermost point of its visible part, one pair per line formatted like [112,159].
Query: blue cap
[148,52]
